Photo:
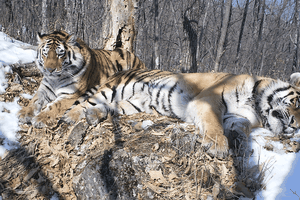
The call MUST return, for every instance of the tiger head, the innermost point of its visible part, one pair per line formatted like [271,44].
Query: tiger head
[58,54]
[280,106]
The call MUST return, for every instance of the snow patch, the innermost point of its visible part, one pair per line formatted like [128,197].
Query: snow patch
[14,51]
[277,163]
[11,51]
[146,124]
[9,125]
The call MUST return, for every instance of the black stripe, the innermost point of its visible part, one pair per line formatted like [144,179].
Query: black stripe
[134,62]
[50,90]
[69,54]
[93,104]
[64,93]
[143,87]
[64,78]
[129,73]
[237,95]
[108,85]
[158,93]
[147,74]
[123,111]
[164,106]
[119,66]
[114,93]
[103,94]
[47,98]
[69,84]
[131,76]
[76,102]
[255,87]
[137,108]
[74,56]
[120,53]
[224,102]
[169,100]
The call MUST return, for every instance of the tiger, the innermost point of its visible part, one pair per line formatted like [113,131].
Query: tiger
[221,105]
[70,68]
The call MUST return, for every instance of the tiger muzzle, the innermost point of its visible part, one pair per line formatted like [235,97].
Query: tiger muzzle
[52,63]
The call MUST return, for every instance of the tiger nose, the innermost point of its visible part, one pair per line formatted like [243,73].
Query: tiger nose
[50,69]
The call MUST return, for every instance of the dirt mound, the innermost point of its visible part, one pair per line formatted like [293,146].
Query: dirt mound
[128,157]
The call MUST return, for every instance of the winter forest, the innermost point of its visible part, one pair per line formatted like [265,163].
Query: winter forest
[237,36]
[147,156]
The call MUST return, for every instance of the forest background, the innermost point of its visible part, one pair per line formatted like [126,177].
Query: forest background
[238,36]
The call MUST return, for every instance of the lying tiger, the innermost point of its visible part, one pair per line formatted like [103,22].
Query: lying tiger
[219,104]
[70,68]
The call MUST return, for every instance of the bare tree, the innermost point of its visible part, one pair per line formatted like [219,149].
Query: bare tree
[220,49]
[296,42]
[190,36]
[242,28]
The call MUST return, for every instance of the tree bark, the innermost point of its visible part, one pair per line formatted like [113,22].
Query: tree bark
[224,29]
[242,28]
[295,66]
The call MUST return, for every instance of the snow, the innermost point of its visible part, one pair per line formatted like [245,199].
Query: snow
[14,51]
[11,51]
[146,124]
[278,162]
[55,197]
[8,125]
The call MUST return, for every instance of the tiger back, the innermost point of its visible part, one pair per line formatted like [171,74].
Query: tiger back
[69,69]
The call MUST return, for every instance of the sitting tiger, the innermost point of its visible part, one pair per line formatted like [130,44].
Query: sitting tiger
[219,104]
[70,68]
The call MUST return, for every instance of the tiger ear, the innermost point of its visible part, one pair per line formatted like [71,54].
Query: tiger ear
[39,37]
[295,79]
[71,39]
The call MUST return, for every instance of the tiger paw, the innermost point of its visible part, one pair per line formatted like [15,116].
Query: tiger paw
[73,116]
[42,120]
[216,146]
[25,115]
[95,115]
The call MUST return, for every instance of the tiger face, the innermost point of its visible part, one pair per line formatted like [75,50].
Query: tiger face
[58,54]
[280,108]
[283,119]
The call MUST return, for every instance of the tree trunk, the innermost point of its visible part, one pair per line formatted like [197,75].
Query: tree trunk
[295,66]
[224,29]
[262,17]
[156,57]
[242,28]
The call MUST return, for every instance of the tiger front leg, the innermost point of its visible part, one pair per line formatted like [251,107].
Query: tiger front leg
[73,115]
[237,129]
[52,113]
[96,114]
[33,108]
[207,114]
